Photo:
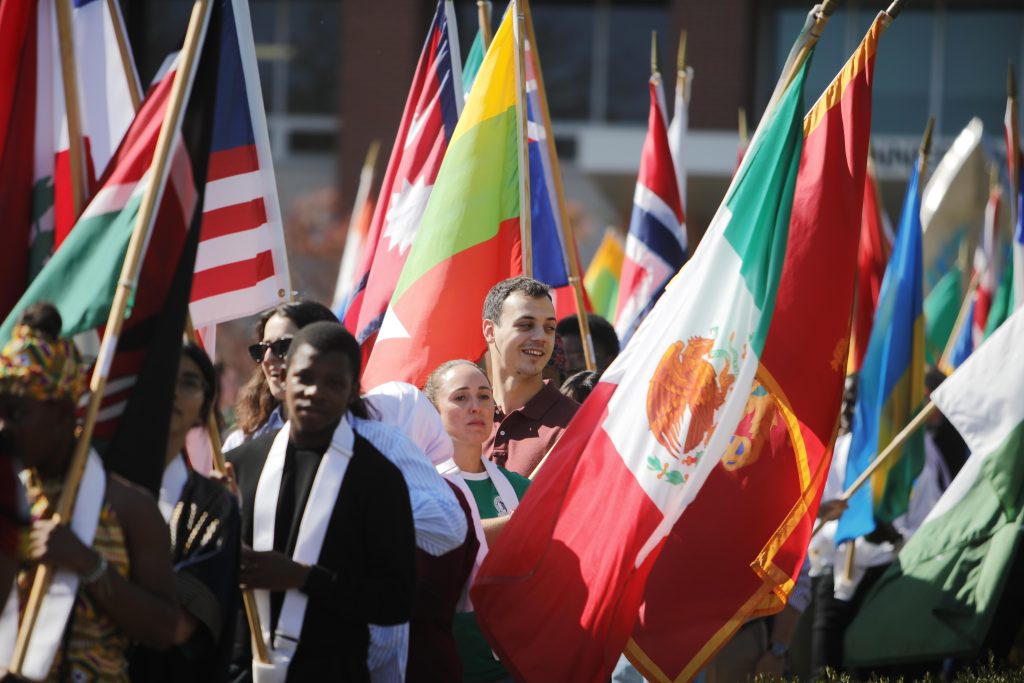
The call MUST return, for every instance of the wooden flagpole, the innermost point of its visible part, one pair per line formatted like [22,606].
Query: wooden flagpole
[125,288]
[483,13]
[525,228]
[893,446]
[69,77]
[252,614]
[124,51]
[568,237]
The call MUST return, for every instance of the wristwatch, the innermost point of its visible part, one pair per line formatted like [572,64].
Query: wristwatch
[778,649]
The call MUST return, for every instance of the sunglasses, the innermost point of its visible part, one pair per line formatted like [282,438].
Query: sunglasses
[278,347]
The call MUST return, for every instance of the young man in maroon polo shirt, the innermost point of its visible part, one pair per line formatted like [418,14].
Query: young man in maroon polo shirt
[530,414]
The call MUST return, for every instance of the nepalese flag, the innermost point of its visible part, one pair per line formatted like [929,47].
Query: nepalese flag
[656,241]
[744,538]
[428,124]
[242,265]
[83,275]
[39,200]
[890,389]
[559,595]
[470,234]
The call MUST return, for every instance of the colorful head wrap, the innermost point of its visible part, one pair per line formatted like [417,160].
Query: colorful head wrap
[36,365]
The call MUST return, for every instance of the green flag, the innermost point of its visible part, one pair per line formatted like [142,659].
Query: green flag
[939,597]
[940,311]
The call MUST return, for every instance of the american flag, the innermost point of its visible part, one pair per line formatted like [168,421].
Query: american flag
[241,266]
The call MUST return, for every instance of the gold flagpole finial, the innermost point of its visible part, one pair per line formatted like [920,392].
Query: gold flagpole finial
[895,8]
[681,54]
[926,140]
[654,52]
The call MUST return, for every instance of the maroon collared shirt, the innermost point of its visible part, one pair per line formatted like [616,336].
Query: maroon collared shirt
[520,439]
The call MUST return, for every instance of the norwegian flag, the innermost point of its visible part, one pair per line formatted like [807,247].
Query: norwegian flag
[549,249]
[241,265]
[656,241]
[431,112]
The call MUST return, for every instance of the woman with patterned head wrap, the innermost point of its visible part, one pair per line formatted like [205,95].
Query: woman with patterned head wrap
[113,582]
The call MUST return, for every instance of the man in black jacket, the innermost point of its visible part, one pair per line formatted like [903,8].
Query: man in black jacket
[317,596]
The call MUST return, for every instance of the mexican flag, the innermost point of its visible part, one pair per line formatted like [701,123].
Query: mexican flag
[939,598]
[559,593]
[744,538]
[469,236]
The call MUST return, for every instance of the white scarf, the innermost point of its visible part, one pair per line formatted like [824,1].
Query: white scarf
[171,486]
[59,600]
[312,529]
[450,471]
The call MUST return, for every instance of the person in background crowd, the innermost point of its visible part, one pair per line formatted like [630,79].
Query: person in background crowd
[327,521]
[463,397]
[940,432]
[260,408]
[205,543]
[606,342]
[554,371]
[441,578]
[530,414]
[123,580]
[579,386]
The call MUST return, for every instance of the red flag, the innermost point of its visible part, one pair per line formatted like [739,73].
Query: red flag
[17,133]
[872,258]
[431,112]
[988,265]
[737,550]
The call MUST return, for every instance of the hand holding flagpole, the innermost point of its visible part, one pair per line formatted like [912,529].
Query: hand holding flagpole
[126,287]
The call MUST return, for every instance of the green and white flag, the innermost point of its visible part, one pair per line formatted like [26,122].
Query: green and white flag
[939,598]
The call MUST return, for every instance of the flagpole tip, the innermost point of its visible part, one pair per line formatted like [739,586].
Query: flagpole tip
[895,8]
[681,53]
[654,52]
[829,7]
[926,141]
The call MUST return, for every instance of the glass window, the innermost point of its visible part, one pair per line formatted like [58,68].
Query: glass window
[629,62]
[565,43]
[903,72]
[978,45]
[313,70]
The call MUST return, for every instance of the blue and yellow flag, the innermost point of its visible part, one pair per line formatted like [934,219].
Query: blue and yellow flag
[891,384]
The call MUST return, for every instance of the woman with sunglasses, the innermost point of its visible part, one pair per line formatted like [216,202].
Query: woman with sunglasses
[205,543]
[259,408]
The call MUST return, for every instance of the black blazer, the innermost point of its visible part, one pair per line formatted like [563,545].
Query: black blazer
[366,572]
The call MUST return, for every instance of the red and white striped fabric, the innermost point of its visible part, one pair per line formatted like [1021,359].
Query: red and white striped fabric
[241,266]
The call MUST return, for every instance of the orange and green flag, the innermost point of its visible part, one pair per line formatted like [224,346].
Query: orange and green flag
[602,277]
[469,238]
